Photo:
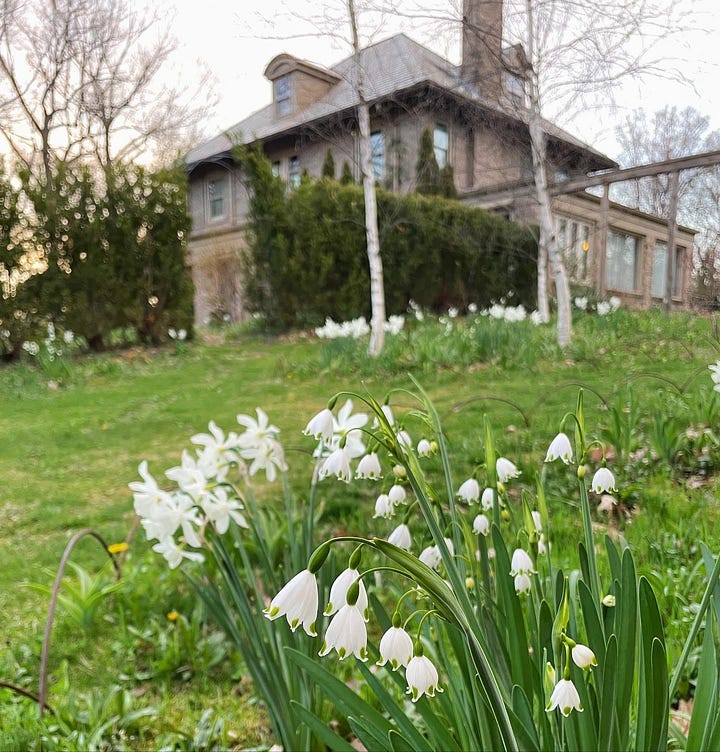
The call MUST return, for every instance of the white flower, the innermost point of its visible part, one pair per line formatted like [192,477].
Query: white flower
[603,308]
[565,697]
[424,449]
[338,592]
[537,318]
[396,646]
[487,500]
[421,677]
[481,525]
[337,464]
[505,470]
[522,583]
[397,495]
[400,537]
[581,303]
[537,520]
[384,507]
[321,426]
[298,602]
[404,439]
[603,481]
[259,444]
[472,308]
[469,491]
[521,563]
[256,431]
[560,449]
[348,426]
[369,467]
[147,495]
[430,556]
[614,303]
[394,324]
[347,634]
[174,554]
[191,478]
[217,447]
[219,509]
[584,657]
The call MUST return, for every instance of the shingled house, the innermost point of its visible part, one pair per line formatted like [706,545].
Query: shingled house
[477,116]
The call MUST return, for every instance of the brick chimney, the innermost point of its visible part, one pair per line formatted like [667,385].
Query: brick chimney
[482,46]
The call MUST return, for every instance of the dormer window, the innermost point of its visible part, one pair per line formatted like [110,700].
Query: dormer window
[283,96]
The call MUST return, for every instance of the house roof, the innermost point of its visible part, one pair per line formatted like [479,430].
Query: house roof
[391,66]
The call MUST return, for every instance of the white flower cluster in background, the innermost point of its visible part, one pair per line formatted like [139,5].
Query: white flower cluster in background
[204,493]
[356,328]
[602,308]
[52,345]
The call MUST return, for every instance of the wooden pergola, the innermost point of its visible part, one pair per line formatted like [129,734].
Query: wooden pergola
[492,197]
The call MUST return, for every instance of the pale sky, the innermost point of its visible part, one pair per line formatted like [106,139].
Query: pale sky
[228,39]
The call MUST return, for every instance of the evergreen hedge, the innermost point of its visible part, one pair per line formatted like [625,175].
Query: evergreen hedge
[307,257]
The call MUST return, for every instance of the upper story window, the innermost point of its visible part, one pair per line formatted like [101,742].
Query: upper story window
[622,261]
[515,88]
[294,172]
[441,145]
[377,153]
[217,198]
[276,167]
[283,96]
[573,240]
[659,270]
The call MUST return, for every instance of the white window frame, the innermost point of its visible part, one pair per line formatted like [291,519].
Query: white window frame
[617,258]
[211,186]
[283,96]
[442,151]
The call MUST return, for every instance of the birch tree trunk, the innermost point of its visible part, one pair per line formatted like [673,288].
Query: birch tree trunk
[377,286]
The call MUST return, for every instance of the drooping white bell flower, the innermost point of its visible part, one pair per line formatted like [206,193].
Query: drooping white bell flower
[469,491]
[396,646]
[338,592]
[369,467]
[400,537]
[384,507]
[424,449]
[565,697]
[487,500]
[430,556]
[537,520]
[560,449]
[422,678]
[481,525]
[337,463]
[521,563]
[505,470]
[346,634]
[298,602]
[397,495]
[603,481]
[404,439]
[523,583]
[584,657]
[321,426]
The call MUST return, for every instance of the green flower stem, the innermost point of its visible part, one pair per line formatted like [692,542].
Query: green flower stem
[594,583]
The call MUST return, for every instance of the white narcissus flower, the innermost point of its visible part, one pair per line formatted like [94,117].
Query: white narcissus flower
[584,657]
[396,646]
[424,449]
[715,375]
[219,510]
[174,554]
[400,537]
[560,449]
[217,447]
[487,500]
[521,563]
[384,507]
[189,476]
[422,678]
[347,634]
[523,583]
[505,470]
[298,602]
[469,491]
[321,426]
[481,525]
[338,592]
[147,495]
[565,697]
[337,464]
[369,467]
[397,495]
[603,481]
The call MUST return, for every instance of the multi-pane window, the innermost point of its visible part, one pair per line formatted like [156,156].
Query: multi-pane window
[441,144]
[294,172]
[217,190]
[659,270]
[377,153]
[573,239]
[283,96]
[622,261]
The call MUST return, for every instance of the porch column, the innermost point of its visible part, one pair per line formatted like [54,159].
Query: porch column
[672,231]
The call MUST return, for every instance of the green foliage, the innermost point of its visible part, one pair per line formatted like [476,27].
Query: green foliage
[307,255]
[427,173]
[447,182]
[328,168]
[346,178]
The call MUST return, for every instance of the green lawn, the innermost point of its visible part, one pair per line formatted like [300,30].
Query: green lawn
[68,454]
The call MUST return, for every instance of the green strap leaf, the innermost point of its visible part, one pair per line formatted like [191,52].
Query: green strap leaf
[704,714]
